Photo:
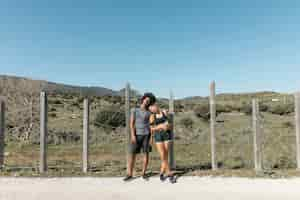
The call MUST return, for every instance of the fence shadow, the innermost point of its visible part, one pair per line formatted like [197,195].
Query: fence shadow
[183,170]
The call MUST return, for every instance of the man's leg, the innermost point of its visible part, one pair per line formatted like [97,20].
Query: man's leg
[131,162]
[133,150]
[145,162]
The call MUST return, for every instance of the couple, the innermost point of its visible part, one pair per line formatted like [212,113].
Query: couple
[146,122]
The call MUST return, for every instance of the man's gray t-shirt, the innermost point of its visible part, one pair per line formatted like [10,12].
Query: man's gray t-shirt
[142,124]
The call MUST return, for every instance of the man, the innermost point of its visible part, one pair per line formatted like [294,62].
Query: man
[140,135]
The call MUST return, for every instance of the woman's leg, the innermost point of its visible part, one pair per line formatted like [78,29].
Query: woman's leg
[170,174]
[166,151]
[161,151]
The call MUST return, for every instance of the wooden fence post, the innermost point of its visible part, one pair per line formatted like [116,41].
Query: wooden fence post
[212,104]
[297,122]
[43,131]
[127,115]
[172,120]
[257,136]
[2,132]
[86,130]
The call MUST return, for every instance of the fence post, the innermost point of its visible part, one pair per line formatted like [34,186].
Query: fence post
[257,136]
[127,115]
[43,131]
[212,104]
[172,113]
[297,122]
[86,130]
[2,132]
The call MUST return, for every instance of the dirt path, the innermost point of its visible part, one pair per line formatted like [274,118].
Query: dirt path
[187,188]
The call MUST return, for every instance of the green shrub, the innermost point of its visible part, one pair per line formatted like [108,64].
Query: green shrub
[284,162]
[288,124]
[55,101]
[282,109]
[246,108]
[202,111]
[76,104]
[110,118]
[178,107]
[236,162]
[263,108]
[223,108]
[53,110]
[187,122]
[52,115]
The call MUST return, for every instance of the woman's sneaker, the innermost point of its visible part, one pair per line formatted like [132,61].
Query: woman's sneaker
[162,177]
[172,179]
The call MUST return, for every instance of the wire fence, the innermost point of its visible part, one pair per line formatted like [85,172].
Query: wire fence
[108,149]
[22,125]
[65,120]
[278,139]
[234,137]
[108,138]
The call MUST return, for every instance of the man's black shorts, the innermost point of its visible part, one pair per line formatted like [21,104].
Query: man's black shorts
[141,146]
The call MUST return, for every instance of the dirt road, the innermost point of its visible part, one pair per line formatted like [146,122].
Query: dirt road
[187,188]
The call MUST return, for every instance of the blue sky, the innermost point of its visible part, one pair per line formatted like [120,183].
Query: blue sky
[156,45]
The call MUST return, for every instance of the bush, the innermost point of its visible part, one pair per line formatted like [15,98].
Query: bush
[62,137]
[178,107]
[284,162]
[57,101]
[288,124]
[202,111]
[246,108]
[263,108]
[187,122]
[282,109]
[236,162]
[223,108]
[53,110]
[76,104]
[110,118]
[52,115]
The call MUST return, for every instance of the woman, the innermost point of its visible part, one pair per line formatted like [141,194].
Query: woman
[161,130]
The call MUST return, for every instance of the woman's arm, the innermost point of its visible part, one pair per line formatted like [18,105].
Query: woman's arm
[169,125]
[155,128]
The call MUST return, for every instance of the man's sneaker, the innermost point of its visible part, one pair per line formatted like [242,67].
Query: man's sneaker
[145,177]
[127,178]
[162,177]
[172,179]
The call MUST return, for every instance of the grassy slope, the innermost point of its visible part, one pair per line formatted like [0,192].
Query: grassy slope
[192,148]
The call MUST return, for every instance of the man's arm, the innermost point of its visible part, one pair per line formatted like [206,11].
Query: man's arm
[132,127]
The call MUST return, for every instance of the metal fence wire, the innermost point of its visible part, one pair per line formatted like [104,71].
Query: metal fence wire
[278,136]
[21,127]
[65,119]
[108,136]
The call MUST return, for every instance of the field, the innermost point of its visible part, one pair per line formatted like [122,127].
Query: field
[108,140]
[192,139]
